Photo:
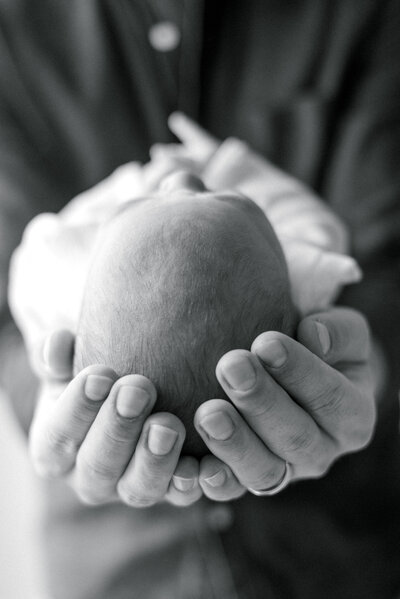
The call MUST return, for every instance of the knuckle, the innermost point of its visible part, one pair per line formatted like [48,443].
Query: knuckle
[118,433]
[303,441]
[297,374]
[329,401]
[87,409]
[93,468]
[263,406]
[59,443]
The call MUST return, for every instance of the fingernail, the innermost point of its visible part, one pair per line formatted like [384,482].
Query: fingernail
[131,401]
[161,439]
[239,373]
[273,353]
[97,386]
[218,425]
[324,337]
[182,484]
[217,479]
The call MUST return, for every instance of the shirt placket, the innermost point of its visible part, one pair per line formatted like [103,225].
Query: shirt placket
[177,34]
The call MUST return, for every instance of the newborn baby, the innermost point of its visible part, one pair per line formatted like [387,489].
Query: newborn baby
[177,281]
[179,278]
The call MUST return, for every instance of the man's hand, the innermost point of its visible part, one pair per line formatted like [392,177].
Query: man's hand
[96,431]
[310,402]
[304,403]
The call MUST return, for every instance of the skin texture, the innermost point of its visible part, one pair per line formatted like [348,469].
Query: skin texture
[326,373]
[179,276]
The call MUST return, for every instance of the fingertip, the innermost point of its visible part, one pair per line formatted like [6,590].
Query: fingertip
[167,419]
[164,433]
[56,360]
[186,476]
[188,467]
[174,117]
[336,334]
[207,408]
[238,372]
[93,382]
[183,496]
[265,337]
[191,134]
[231,357]
[211,466]
[217,480]
[134,396]
[271,349]
[96,369]
[183,484]
[141,382]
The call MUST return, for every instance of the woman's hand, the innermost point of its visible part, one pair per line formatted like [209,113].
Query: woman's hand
[297,405]
[96,431]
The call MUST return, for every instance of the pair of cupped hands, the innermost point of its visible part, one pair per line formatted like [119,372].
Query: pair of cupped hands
[296,405]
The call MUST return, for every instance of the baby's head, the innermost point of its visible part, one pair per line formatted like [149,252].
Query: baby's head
[177,281]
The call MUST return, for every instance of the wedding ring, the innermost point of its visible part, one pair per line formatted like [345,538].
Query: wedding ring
[279,486]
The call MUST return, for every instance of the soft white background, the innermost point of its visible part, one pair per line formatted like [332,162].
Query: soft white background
[21,571]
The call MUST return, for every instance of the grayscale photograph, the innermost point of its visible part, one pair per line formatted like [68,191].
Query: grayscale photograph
[199,299]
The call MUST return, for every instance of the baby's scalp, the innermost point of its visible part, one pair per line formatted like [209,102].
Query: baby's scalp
[175,284]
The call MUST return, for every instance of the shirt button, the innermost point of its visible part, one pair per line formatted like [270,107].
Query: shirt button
[219,517]
[164,36]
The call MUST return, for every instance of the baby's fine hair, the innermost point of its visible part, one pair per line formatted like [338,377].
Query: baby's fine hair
[171,304]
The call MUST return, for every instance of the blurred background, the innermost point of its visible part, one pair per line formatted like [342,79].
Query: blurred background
[21,571]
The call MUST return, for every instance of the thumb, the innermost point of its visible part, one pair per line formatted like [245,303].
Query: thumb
[53,357]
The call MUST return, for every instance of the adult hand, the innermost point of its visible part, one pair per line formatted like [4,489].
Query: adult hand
[295,404]
[96,431]
[317,405]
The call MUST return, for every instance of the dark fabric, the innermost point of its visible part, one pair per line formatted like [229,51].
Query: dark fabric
[315,87]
